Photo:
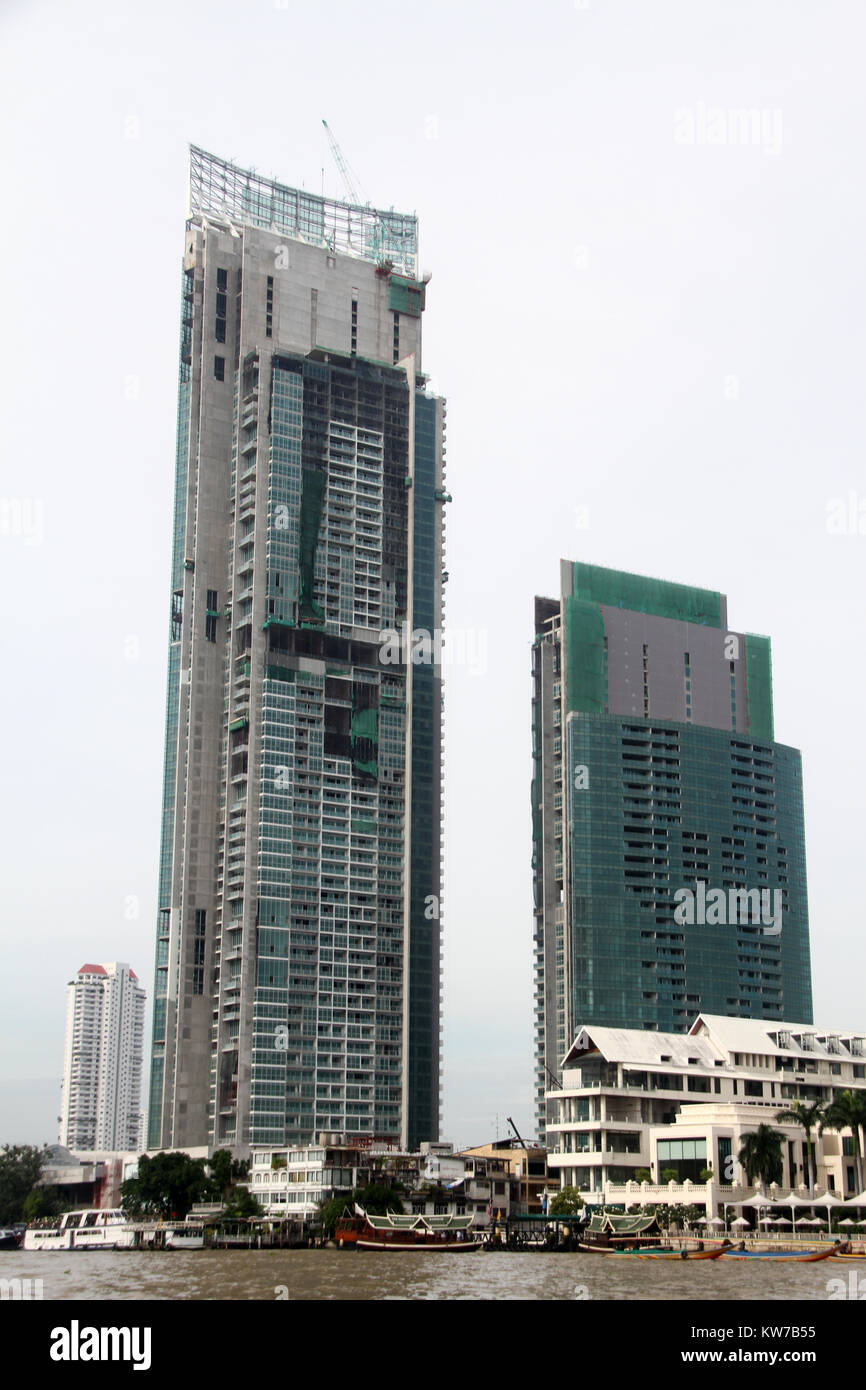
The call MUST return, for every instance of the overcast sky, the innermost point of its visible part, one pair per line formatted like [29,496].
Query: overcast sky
[647,315]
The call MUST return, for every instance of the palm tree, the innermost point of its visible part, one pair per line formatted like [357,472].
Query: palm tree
[847,1110]
[808,1116]
[761,1155]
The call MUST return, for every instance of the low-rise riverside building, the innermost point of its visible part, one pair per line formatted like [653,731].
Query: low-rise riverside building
[527,1163]
[681,1104]
[291,1181]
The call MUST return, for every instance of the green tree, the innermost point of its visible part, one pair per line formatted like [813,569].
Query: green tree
[809,1116]
[566,1202]
[761,1155]
[706,1175]
[167,1185]
[376,1198]
[44,1201]
[225,1173]
[661,1211]
[669,1175]
[847,1110]
[241,1203]
[329,1212]
[20,1169]
[642,1175]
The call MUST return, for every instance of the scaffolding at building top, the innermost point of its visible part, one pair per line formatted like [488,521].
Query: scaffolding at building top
[225,192]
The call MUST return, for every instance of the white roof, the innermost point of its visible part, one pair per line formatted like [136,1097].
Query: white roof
[714,1038]
[643,1047]
[781,1039]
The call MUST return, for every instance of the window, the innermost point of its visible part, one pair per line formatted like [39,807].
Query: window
[396,338]
[176,614]
[354,341]
[221,307]
[269,309]
[219,368]
[198,950]
[211,615]
[724,1174]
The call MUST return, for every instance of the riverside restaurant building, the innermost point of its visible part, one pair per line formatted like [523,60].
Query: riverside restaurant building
[676,1107]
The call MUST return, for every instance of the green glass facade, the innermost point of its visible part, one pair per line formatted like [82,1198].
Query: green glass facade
[666,806]
[669,862]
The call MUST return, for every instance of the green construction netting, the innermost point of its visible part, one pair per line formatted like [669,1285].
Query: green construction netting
[361,826]
[311,515]
[365,741]
[759,687]
[618,589]
[584,641]
[406,296]
[279,673]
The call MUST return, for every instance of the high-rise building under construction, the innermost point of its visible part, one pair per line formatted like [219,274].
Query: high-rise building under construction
[668,835]
[297,983]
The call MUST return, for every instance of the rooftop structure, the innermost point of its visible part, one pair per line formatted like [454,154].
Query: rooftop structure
[222,191]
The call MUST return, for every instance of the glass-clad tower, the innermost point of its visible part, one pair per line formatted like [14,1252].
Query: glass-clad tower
[297,970]
[668,838]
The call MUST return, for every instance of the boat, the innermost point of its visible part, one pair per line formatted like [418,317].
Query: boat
[96,1229]
[802,1257]
[11,1237]
[656,1252]
[399,1232]
[714,1254]
[189,1236]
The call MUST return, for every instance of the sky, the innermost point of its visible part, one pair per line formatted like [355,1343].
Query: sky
[644,225]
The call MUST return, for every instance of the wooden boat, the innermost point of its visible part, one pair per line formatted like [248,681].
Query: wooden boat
[807,1257]
[680,1254]
[658,1252]
[398,1232]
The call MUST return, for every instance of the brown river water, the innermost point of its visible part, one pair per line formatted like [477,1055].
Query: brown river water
[305,1275]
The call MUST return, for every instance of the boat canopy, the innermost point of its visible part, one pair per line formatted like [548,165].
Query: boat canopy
[623,1225]
[433,1224]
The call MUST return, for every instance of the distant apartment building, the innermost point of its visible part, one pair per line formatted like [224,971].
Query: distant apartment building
[676,1103]
[101,1090]
[668,837]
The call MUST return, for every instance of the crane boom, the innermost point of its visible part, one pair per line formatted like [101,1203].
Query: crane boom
[341,164]
[514,1127]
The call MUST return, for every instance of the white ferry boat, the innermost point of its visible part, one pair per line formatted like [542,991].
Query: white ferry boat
[97,1229]
[190,1236]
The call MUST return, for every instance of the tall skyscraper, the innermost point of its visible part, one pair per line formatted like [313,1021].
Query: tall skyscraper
[100,1106]
[297,966]
[668,837]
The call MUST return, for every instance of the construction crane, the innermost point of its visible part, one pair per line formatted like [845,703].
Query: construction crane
[379,238]
[345,171]
[517,1135]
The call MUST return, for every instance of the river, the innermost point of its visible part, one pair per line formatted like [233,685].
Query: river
[349,1275]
